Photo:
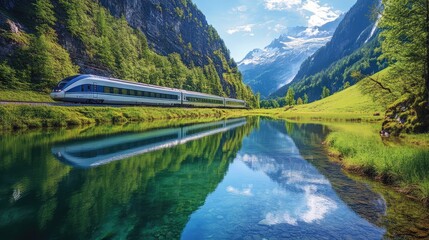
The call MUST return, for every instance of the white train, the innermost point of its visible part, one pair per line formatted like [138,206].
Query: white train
[96,89]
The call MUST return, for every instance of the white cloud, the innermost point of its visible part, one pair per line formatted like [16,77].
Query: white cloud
[281,4]
[243,28]
[245,192]
[279,28]
[241,8]
[321,14]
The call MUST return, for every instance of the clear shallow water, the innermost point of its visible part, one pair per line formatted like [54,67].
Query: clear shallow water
[239,179]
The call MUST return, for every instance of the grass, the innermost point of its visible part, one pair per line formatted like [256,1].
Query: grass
[351,104]
[31,96]
[392,161]
[13,117]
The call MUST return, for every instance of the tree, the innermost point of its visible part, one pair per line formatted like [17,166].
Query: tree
[44,15]
[346,85]
[405,43]
[325,92]
[299,101]
[274,103]
[290,97]
[258,100]
[305,98]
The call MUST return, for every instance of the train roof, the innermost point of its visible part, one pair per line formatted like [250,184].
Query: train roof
[135,83]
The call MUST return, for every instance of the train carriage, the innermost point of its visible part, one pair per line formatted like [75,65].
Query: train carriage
[95,89]
[234,103]
[202,100]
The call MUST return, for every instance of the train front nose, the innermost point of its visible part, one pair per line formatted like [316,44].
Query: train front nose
[57,95]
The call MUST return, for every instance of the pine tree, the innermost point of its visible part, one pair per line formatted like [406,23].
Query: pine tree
[305,98]
[325,92]
[290,97]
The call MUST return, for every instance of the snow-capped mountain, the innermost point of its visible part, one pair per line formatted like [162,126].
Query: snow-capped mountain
[266,70]
[353,47]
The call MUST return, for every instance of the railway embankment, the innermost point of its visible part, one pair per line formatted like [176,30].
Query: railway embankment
[23,116]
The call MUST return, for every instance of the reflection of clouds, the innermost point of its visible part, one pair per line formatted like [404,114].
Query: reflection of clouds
[278,218]
[298,177]
[317,206]
[245,192]
[261,163]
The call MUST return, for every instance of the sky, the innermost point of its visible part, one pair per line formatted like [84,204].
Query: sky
[248,24]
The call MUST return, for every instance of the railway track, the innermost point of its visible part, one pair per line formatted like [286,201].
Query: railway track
[61,104]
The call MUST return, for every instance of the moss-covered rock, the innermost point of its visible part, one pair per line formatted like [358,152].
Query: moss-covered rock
[409,114]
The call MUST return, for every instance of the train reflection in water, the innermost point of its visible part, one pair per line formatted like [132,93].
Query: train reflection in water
[92,153]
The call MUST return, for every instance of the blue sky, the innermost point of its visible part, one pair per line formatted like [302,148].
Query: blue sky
[248,24]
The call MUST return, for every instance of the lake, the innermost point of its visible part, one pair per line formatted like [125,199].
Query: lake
[245,178]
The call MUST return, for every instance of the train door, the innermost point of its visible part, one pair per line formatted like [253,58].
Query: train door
[94,91]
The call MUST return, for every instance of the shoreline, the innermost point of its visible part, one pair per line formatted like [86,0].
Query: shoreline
[25,117]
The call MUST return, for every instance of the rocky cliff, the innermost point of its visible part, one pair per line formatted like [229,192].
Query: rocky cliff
[173,26]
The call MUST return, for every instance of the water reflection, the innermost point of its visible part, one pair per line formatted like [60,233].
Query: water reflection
[271,191]
[239,179]
[144,196]
[102,150]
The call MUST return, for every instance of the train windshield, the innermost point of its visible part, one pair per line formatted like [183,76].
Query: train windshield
[64,82]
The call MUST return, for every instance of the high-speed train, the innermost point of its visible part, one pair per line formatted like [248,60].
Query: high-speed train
[96,89]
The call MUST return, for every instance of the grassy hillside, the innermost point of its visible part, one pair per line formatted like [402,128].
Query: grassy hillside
[352,103]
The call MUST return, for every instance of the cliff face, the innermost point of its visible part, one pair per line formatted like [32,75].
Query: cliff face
[174,26]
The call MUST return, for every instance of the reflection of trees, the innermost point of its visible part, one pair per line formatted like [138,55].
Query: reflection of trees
[143,196]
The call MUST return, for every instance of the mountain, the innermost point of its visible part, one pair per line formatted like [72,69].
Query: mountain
[353,47]
[163,42]
[266,70]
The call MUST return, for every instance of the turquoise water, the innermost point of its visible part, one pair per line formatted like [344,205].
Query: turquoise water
[249,178]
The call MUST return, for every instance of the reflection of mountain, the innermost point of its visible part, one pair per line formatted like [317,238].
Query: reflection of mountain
[146,196]
[271,191]
[95,152]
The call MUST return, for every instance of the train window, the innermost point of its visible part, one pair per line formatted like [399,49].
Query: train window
[111,90]
[131,92]
[152,94]
[158,95]
[106,89]
[116,90]
[146,94]
[82,88]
